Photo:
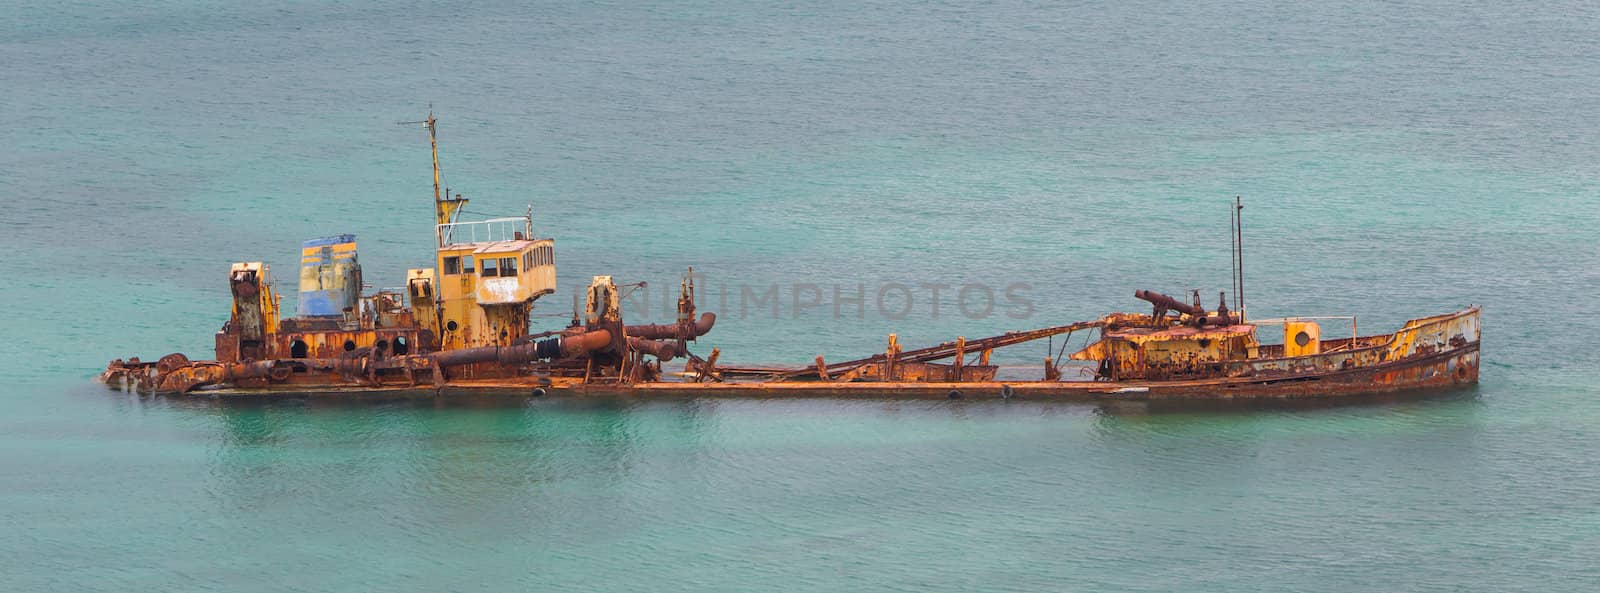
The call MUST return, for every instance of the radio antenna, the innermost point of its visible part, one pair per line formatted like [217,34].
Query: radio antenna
[1238,240]
[446,207]
[1233,253]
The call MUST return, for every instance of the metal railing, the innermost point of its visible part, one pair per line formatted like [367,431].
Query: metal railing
[484,231]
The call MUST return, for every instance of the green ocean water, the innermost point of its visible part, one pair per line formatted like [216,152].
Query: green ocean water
[1396,160]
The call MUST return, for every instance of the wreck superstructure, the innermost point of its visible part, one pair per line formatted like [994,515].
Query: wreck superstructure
[465,319]
[463,326]
[489,272]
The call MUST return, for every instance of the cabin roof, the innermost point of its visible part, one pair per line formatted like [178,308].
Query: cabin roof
[511,246]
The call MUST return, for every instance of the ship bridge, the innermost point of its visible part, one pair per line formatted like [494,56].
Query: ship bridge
[489,273]
[496,261]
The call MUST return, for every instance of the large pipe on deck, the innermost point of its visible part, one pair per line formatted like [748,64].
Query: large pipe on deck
[556,347]
[661,349]
[674,331]
[1167,302]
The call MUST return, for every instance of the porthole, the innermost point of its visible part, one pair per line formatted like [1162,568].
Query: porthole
[349,345]
[1302,338]
[450,325]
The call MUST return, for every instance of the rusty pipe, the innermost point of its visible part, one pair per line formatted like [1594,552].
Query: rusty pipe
[584,343]
[468,355]
[558,347]
[662,349]
[674,331]
[1167,302]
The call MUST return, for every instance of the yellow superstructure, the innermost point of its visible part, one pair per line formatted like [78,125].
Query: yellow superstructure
[486,276]
[486,288]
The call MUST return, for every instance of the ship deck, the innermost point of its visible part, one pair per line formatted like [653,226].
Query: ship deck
[1455,367]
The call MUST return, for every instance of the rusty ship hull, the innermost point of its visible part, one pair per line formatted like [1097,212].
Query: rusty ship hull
[1432,354]
[1436,353]
[463,326]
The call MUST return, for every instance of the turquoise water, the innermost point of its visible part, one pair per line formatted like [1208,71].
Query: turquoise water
[1396,161]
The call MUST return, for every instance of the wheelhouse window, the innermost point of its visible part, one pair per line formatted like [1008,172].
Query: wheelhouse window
[489,267]
[527,260]
[508,266]
[452,265]
[466,264]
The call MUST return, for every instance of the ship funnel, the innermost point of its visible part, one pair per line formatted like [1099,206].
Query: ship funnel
[330,276]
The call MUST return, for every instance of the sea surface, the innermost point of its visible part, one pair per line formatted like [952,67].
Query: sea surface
[1395,160]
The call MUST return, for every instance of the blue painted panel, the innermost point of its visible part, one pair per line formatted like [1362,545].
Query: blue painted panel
[330,276]
[332,240]
[322,303]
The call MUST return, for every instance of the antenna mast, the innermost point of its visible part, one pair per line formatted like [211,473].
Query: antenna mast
[1238,241]
[433,141]
[445,206]
[1233,254]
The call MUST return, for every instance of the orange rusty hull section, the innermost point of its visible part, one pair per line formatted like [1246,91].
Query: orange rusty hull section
[1453,369]
[1441,370]
[1437,352]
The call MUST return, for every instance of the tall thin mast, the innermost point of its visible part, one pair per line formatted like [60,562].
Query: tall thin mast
[433,140]
[445,206]
[1238,230]
[1233,254]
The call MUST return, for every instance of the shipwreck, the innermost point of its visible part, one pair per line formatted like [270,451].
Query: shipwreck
[463,327]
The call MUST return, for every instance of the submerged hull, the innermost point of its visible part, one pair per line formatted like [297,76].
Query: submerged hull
[1438,352]
[1443,370]
[1439,371]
